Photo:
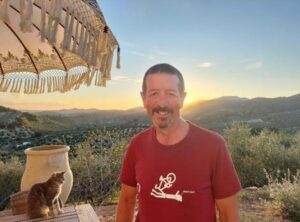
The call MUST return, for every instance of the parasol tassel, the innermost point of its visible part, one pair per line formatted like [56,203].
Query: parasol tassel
[4,11]
[118,58]
[103,40]
[14,89]
[83,52]
[88,48]
[108,65]
[20,86]
[49,84]
[6,85]
[28,18]
[95,49]
[74,48]
[54,18]
[70,32]
[13,85]
[66,29]
[25,86]
[43,21]
[81,38]
[103,62]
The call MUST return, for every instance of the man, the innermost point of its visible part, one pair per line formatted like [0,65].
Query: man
[178,171]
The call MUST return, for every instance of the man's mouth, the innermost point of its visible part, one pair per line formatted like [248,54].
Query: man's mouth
[162,111]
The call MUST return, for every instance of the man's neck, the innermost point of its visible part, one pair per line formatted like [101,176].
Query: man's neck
[174,134]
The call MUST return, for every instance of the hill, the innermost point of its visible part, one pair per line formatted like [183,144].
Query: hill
[282,113]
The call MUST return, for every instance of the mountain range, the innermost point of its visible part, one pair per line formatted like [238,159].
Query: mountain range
[282,113]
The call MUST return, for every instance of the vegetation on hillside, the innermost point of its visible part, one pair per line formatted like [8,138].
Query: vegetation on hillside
[266,158]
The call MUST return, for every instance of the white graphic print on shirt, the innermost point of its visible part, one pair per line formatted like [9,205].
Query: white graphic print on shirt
[165,183]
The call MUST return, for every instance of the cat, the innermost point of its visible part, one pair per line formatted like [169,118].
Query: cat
[43,197]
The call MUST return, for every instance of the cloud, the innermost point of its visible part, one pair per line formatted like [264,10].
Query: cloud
[163,53]
[252,63]
[120,77]
[127,44]
[123,78]
[140,54]
[206,65]
[255,65]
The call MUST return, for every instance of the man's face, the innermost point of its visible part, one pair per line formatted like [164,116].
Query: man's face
[162,99]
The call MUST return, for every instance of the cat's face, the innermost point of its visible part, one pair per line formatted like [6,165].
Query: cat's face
[58,177]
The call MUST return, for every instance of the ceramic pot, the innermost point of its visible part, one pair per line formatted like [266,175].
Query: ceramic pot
[42,162]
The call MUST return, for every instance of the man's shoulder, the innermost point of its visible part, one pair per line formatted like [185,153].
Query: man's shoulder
[142,135]
[205,132]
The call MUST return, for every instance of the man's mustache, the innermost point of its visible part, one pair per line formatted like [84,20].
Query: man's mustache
[162,109]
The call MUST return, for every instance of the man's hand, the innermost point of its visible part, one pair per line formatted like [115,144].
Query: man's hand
[228,209]
[125,210]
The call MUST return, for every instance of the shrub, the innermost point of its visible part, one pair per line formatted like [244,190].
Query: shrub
[96,171]
[11,173]
[251,153]
[285,195]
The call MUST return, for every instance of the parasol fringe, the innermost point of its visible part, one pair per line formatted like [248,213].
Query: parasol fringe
[4,11]
[83,52]
[118,58]
[49,84]
[103,40]
[7,84]
[54,18]
[88,48]
[25,87]
[15,89]
[26,10]
[70,32]
[13,85]
[66,29]
[31,86]
[43,21]
[20,86]
[95,49]
[106,73]
[81,38]
[75,40]
[103,62]
[16,86]
[43,86]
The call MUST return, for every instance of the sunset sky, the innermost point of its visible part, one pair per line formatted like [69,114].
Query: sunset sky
[223,48]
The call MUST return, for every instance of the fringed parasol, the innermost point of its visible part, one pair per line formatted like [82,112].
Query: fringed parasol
[54,45]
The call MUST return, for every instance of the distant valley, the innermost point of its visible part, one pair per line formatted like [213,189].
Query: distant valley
[19,129]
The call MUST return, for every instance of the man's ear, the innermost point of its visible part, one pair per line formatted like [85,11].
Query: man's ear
[143,96]
[183,95]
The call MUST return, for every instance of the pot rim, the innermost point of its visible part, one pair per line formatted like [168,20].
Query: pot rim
[47,149]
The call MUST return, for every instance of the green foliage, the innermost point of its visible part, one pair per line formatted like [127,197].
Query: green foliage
[96,169]
[285,195]
[10,177]
[252,153]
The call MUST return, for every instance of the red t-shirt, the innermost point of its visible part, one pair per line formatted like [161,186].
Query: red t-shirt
[179,182]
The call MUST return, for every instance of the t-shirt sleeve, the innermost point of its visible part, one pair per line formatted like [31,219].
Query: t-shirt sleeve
[128,175]
[225,180]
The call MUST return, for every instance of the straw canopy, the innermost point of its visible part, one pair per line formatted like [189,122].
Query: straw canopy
[54,45]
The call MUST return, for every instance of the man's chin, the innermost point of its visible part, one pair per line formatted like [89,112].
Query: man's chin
[161,125]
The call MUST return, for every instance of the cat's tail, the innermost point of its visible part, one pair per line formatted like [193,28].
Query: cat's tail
[4,203]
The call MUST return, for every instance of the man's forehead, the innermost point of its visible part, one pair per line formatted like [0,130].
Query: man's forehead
[163,77]
[162,80]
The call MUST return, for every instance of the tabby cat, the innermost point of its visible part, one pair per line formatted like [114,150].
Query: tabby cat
[43,197]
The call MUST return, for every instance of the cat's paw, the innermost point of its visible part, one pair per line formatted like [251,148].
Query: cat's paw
[60,211]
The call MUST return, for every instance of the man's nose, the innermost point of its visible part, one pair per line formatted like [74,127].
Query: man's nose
[162,99]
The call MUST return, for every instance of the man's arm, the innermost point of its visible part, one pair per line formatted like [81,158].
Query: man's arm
[228,209]
[125,210]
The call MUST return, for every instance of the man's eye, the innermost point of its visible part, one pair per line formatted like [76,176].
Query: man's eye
[153,93]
